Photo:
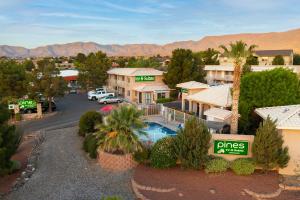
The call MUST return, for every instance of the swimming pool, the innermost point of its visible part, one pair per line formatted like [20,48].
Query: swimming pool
[156,131]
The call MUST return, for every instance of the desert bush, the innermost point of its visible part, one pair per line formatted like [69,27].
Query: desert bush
[111,198]
[88,121]
[90,145]
[192,143]
[142,156]
[243,166]
[162,154]
[217,165]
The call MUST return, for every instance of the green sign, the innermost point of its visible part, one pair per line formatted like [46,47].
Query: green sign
[27,103]
[183,90]
[234,147]
[144,78]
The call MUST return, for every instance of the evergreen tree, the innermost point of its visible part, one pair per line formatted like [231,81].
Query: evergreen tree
[45,80]
[268,151]
[282,86]
[92,72]
[184,66]
[296,59]
[278,60]
[9,142]
[192,143]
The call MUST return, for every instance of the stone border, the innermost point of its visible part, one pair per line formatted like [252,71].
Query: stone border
[264,195]
[39,138]
[136,187]
[289,187]
[116,162]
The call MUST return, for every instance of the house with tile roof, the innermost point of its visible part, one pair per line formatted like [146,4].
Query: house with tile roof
[138,85]
[208,102]
[287,119]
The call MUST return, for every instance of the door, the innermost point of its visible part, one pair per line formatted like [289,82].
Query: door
[140,97]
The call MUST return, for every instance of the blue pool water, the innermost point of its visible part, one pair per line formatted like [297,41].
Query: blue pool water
[156,131]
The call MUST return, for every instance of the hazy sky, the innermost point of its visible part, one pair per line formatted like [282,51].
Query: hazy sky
[31,23]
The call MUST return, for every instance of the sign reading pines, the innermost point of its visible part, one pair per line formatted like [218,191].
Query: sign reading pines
[144,78]
[27,103]
[234,147]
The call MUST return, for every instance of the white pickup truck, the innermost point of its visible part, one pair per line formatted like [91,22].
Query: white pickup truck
[99,94]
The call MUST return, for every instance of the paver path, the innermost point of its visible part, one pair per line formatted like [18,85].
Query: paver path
[65,172]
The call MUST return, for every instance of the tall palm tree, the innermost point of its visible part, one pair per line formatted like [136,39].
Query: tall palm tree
[237,51]
[122,130]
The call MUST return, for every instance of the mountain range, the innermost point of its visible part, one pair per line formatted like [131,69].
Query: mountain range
[273,40]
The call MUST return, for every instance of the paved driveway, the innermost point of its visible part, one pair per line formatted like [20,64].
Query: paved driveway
[69,109]
[65,173]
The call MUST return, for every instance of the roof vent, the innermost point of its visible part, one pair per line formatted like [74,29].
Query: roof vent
[285,110]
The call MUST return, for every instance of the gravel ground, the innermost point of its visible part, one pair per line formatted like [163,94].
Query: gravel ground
[65,172]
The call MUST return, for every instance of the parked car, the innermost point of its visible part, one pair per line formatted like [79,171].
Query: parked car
[98,95]
[110,99]
[97,90]
[73,90]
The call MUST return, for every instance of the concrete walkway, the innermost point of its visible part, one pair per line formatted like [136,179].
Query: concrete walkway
[65,172]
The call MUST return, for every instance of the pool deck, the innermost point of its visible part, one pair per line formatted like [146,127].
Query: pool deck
[160,120]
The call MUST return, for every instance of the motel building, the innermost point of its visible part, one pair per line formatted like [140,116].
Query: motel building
[288,123]
[211,103]
[138,85]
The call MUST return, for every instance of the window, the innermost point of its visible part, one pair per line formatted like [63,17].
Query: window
[161,95]
[128,93]
[123,78]
[147,97]
[128,79]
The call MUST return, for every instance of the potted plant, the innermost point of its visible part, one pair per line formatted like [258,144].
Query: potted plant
[120,139]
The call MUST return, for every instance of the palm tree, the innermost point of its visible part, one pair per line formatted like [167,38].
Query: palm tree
[238,51]
[122,130]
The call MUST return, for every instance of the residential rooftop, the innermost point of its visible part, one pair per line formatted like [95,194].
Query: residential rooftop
[192,85]
[135,72]
[281,52]
[286,117]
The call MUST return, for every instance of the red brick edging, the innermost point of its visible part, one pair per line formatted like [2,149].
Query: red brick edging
[116,162]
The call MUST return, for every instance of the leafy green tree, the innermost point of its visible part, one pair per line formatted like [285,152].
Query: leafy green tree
[122,130]
[238,51]
[45,79]
[267,88]
[208,57]
[121,61]
[251,60]
[268,151]
[13,80]
[144,63]
[278,60]
[81,58]
[192,143]
[28,65]
[92,72]
[184,67]
[9,142]
[296,59]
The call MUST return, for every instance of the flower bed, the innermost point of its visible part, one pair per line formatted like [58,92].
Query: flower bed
[116,162]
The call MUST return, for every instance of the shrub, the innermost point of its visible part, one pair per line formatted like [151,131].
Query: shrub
[217,165]
[88,121]
[162,154]
[18,117]
[243,166]
[142,156]
[268,151]
[90,145]
[192,143]
[164,100]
